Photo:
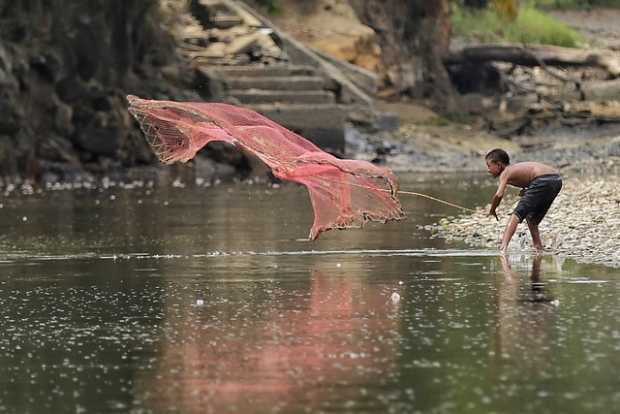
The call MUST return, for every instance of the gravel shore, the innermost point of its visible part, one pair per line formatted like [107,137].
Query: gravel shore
[583,223]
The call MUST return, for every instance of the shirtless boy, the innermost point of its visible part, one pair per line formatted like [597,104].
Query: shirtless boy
[540,185]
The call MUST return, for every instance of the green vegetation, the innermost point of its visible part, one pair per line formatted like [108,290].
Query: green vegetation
[577,4]
[530,26]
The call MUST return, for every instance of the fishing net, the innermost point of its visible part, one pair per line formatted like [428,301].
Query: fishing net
[344,193]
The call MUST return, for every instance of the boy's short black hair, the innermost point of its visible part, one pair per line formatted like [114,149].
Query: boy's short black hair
[498,155]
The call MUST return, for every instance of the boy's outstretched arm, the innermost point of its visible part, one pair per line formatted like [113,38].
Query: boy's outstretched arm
[494,203]
[499,194]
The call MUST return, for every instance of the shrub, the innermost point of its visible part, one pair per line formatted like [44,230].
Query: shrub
[530,26]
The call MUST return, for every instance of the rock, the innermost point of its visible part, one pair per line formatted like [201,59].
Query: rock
[100,135]
[47,65]
[5,62]
[10,121]
[8,162]
[477,103]
[358,46]
[58,149]
[204,168]
[243,44]
[70,89]
[214,50]
[614,148]
[63,119]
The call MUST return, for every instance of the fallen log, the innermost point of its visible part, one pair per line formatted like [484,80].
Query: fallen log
[537,56]
[600,111]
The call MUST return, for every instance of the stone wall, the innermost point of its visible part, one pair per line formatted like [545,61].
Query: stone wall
[65,69]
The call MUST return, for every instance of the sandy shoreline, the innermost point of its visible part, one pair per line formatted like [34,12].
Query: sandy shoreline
[582,224]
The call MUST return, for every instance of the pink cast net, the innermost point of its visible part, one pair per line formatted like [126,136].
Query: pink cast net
[344,193]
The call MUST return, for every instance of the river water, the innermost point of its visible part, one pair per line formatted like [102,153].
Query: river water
[208,300]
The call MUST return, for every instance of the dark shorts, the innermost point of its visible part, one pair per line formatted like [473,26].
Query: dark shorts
[537,198]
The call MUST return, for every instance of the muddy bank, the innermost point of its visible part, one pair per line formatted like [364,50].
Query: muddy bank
[582,224]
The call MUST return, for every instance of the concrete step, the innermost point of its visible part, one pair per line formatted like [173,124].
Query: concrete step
[315,115]
[264,71]
[279,83]
[322,124]
[260,96]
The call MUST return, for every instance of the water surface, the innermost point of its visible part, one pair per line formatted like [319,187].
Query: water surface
[192,299]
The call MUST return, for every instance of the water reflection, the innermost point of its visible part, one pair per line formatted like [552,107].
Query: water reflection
[526,313]
[311,345]
[536,290]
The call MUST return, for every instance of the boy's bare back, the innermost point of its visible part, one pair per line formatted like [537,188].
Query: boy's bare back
[521,174]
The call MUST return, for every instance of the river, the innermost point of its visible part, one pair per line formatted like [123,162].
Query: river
[183,298]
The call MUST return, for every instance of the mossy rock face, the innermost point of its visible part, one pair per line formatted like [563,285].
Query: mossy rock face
[8,161]
[10,121]
[65,68]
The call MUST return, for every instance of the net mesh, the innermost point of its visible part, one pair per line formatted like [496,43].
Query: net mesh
[344,193]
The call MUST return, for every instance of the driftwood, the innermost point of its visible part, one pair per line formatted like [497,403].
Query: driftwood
[575,112]
[594,91]
[600,111]
[537,56]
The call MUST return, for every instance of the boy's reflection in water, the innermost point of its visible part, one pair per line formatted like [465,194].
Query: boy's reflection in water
[536,291]
[525,319]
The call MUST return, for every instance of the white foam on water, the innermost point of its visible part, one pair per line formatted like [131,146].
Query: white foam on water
[22,256]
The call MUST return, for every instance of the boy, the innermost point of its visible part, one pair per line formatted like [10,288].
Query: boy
[540,185]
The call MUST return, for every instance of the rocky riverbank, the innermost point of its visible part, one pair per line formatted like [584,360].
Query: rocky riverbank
[582,224]
[427,142]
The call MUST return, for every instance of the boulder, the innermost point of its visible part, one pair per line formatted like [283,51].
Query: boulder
[100,135]
[358,46]
[335,30]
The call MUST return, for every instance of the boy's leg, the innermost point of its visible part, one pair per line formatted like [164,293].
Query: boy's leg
[535,234]
[511,227]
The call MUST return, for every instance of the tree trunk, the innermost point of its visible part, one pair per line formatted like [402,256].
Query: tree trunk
[414,36]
